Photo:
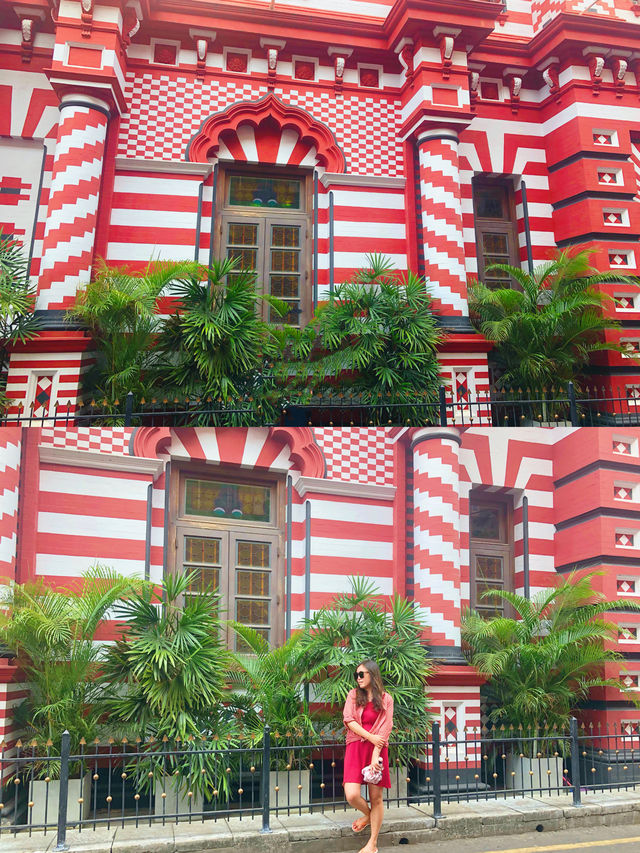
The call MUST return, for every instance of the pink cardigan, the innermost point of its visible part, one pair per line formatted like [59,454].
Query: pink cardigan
[353,714]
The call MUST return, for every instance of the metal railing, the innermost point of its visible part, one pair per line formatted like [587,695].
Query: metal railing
[146,783]
[495,407]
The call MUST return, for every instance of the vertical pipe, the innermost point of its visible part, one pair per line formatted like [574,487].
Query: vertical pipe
[147,542]
[527,231]
[128,409]
[442,400]
[165,542]
[307,561]
[315,241]
[525,546]
[288,569]
[196,254]
[214,191]
[331,235]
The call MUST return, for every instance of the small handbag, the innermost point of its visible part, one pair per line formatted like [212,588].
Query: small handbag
[372,775]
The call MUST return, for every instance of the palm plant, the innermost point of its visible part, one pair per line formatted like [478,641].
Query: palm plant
[545,332]
[51,632]
[543,664]
[359,625]
[120,311]
[166,680]
[18,323]
[377,337]
[271,682]
[215,342]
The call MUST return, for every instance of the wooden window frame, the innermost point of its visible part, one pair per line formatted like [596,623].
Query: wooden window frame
[488,225]
[304,216]
[492,547]
[183,525]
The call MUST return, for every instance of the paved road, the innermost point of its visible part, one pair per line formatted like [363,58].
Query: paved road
[596,839]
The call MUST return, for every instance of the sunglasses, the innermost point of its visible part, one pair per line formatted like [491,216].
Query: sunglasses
[360,674]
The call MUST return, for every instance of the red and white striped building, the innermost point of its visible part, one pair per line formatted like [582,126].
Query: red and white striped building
[303,135]
[280,519]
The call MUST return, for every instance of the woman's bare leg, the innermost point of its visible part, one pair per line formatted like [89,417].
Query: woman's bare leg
[377,813]
[355,799]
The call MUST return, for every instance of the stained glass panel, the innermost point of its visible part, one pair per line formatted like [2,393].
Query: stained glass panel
[225,500]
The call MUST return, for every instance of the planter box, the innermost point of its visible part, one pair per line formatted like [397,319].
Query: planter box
[533,774]
[78,789]
[176,801]
[289,795]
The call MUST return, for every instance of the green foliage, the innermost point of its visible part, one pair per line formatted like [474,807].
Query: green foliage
[120,311]
[546,331]
[215,340]
[359,625]
[376,337]
[17,298]
[165,680]
[51,633]
[542,665]
[271,684]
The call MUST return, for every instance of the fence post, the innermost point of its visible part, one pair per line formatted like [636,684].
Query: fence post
[573,409]
[575,761]
[437,790]
[266,766]
[443,406]
[128,409]
[64,793]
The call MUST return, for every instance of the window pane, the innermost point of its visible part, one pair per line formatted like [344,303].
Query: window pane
[287,236]
[284,261]
[285,286]
[197,550]
[490,568]
[205,579]
[495,244]
[252,612]
[225,500]
[253,191]
[243,234]
[485,523]
[490,202]
[252,583]
[253,554]
[240,644]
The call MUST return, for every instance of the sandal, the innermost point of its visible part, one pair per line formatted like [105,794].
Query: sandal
[364,825]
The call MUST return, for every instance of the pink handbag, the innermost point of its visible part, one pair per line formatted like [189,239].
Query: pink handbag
[371,775]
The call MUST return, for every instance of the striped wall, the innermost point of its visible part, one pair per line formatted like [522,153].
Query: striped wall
[41,382]
[10,449]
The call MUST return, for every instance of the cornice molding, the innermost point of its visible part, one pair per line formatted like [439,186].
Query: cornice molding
[103,461]
[140,164]
[344,488]
[333,179]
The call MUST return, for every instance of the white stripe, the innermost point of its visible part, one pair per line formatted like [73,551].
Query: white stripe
[156,218]
[69,214]
[96,526]
[288,140]
[80,138]
[7,548]
[334,584]
[63,565]
[347,512]
[359,549]
[436,545]
[93,485]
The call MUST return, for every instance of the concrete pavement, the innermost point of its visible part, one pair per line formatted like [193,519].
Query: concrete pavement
[485,822]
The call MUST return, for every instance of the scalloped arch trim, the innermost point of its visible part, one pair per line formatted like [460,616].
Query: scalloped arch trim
[263,117]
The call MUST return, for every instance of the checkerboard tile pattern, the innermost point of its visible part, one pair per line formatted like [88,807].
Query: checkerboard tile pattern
[107,440]
[165,111]
[543,11]
[360,454]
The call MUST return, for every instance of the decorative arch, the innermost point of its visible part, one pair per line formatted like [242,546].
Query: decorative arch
[305,453]
[266,131]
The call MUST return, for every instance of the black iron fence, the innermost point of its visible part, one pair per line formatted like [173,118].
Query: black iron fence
[147,783]
[496,407]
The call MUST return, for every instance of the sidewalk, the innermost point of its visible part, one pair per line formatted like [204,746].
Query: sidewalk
[309,833]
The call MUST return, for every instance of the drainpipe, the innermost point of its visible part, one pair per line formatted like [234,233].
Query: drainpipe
[315,241]
[527,231]
[288,559]
[525,546]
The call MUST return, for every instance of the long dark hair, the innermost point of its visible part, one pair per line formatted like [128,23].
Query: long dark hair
[377,687]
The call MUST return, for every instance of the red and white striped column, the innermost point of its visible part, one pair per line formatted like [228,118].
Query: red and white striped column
[440,202]
[67,252]
[436,532]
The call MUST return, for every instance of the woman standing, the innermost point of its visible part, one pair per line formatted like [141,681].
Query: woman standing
[368,717]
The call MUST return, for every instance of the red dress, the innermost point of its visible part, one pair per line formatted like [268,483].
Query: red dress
[358,753]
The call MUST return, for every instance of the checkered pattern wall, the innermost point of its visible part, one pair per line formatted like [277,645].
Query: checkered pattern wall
[112,440]
[363,454]
[165,111]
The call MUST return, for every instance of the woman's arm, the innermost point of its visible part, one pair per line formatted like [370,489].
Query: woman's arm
[357,729]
